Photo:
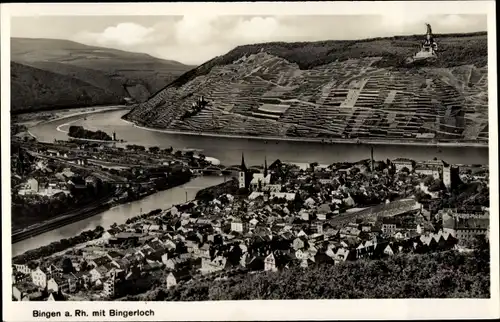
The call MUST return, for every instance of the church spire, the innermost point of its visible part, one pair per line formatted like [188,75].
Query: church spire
[243,166]
[265,167]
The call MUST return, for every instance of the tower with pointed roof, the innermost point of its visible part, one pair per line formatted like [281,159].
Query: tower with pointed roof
[265,167]
[243,174]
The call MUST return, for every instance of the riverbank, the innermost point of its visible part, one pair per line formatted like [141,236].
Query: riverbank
[315,140]
[119,214]
[80,214]
[55,116]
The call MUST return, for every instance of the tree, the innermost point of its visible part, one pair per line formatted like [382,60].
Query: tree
[313,165]
[154,149]
[429,180]
[421,196]
[67,266]
[437,185]
[178,153]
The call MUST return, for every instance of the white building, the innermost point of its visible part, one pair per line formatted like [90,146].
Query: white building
[32,184]
[259,181]
[270,263]
[237,225]
[401,163]
[109,287]
[39,278]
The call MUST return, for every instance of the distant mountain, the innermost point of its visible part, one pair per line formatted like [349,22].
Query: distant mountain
[332,89]
[123,73]
[35,89]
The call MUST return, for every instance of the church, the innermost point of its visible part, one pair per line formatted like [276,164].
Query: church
[254,181]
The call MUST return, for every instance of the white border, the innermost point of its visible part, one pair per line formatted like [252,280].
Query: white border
[263,310]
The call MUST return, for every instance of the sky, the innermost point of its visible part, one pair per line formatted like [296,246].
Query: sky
[195,39]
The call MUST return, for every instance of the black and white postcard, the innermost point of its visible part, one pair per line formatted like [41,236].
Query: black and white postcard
[249,161]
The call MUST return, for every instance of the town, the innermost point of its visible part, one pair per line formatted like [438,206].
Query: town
[53,184]
[266,218]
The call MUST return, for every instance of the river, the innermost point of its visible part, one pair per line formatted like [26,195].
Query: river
[119,214]
[228,151]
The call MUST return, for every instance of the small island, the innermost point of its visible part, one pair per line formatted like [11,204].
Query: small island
[78,132]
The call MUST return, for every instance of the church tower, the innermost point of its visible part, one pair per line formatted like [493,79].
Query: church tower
[243,174]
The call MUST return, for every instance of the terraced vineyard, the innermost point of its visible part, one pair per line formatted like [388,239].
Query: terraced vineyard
[261,94]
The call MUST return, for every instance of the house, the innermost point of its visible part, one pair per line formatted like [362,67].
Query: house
[289,196]
[465,229]
[32,185]
[389,250]
[191,246]
[401,163]
[39,277]
[121,263]
[169,244]
[174,278]
[304,215]
[323,210]
[217,264]
[203,251]
[342,255]
[427,170]
[177,263]
[109,287]
[366,249]
[165,258]
[99,261]
[304,263]
[299,243]
[56,296]
[56,284]
[24,268]
[389,225]
[237,225]
[254,222]
[349,232]
[74,281]
[259,181]
[23,290]
[114,255]
[270,263]
[98,273]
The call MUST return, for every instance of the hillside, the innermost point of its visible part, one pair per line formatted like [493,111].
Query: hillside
[35,89]
[332,89]
[435,275]
[126,74]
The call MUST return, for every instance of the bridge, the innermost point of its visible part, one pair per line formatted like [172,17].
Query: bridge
[217,170]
